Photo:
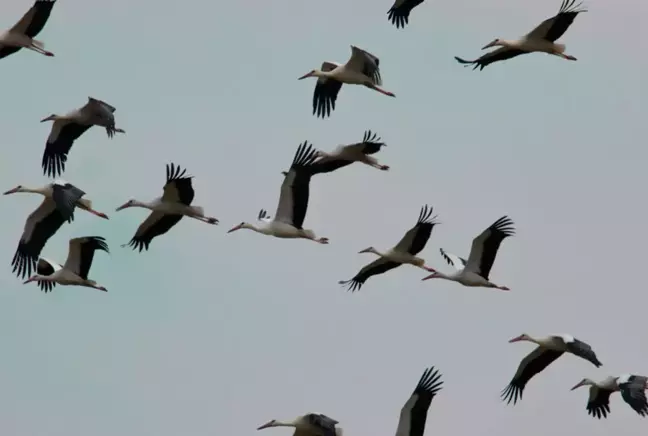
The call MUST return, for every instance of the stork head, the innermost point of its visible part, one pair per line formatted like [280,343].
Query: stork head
[52,117]
[129,203]
[311,73]
[584,382]
[493,43]
[18,188]
[35,278]
[243,225]
[522,337]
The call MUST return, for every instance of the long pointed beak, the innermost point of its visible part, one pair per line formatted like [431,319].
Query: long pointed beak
[45,119]
[263,426]
[516,339]
[11,191]
[305,76]
[577,386]
[489,45]
[29,280]
[123,206]
[431,276]
[233,229]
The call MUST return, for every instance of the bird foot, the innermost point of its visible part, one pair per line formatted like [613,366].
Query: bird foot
[211,220]
[384,167]
[323,240]
[570,58]
[49,53]
[503,288]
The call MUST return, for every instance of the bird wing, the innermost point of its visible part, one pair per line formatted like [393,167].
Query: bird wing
[457,262]
[326,92]
[414,413]
[364,62]
[484,247]
[156,224]
[400,12]
[378,266]
[34,19]
[178,187]
[293,197]
[500,54]
[59,143]
[322,424]
[598,403]
[415,239]
[553,28]
[81,253]
[40,225]
[580,349]
[532,364]
[46,267]
[633,392]
[66,195]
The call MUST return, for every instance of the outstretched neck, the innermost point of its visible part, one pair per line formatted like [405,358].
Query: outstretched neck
[145,204]
[320,73]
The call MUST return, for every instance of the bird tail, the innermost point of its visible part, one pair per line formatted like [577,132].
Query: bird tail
[198,210]
[559,47]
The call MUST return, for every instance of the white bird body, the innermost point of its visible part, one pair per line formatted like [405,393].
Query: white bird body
[397,255]
[171,207]
[311,424]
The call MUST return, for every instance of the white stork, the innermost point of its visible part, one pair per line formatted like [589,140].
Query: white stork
[345,155]
[293,202]
[404,252]
[311,424]
[22,34]
[549,349]
[56,208]
[474,272]
[400,12]
[76,268]
[632,388]
[414,413]
[69,127]
[64,194]
[541,39]
[167,210]
[362,68]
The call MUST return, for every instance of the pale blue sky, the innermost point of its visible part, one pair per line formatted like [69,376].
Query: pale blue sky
[215,334]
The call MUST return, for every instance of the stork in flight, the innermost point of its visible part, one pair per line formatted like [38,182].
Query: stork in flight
[22,34]
[475,271]
[168,210]
[56,208]
[362,68]
[541,39]
[549,349]
[345,155]
[632,388]
[76,268]
[400,12]
[404,252]
[311,424]
[69,127]
[293,202]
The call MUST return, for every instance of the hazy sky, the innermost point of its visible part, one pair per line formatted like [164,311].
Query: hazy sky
[215,334]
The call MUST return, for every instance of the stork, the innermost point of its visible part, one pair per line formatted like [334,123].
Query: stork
[404,252]
[549,349]
[168,210]
[475,271]
[311,424]
[541,39]
[64,194]
[69,127]
[22,34]
[632,388]
[345,155]
[76,268]
[362,68]
[293,202]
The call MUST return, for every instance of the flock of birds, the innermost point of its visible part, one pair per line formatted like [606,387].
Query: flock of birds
[61,199]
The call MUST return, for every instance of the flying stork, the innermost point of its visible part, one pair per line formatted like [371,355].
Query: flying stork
[404,252]
[311,424]
[22,34]
[362,68]
[541,39]
[475,271]
[76,268]
[632,388]
[345,155]
[549,349]
[69,127]
[167,210]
